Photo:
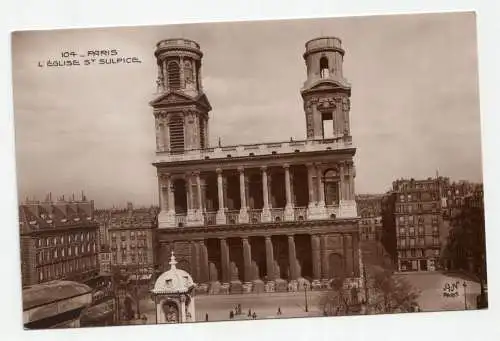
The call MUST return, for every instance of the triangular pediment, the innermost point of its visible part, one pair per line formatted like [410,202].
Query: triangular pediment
[176,98]
[327,85]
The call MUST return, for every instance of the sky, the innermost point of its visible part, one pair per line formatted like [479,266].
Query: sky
[414,103]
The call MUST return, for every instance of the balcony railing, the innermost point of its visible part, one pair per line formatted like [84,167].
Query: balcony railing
[254,216]
[210,218]
[180,219]
[332,210]
[337,143]
[300,213]
[232,217]
[277,214]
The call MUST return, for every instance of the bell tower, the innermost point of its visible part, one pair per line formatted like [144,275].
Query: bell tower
[180,107]
[326,92]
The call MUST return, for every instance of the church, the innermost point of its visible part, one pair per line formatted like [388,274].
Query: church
[256,217]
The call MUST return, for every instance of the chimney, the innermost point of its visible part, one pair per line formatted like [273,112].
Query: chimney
[130,209]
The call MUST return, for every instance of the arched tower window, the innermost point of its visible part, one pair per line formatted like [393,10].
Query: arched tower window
[188,72]
[202,133]
[174,75]
[323,67]
[332,181]
[176,129]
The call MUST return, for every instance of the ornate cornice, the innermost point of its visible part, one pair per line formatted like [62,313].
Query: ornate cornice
[314,227]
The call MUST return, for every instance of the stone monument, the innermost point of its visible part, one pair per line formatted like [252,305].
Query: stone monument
[173,295]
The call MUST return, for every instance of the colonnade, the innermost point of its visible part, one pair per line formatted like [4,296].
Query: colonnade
[321,255]
[339,175]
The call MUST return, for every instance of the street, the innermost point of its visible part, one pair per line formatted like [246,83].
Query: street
[430,285]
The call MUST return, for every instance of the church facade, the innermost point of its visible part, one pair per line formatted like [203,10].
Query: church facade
[263,216]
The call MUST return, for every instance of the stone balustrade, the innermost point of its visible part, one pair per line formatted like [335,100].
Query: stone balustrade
[223,152]
[255,216]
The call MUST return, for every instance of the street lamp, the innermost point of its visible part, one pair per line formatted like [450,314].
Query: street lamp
[465,295]
[305,296]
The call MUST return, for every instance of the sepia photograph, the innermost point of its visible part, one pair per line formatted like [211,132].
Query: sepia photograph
[249,170]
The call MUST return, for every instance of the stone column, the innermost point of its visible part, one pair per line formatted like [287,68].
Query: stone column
[266,213]
[310,185]
[195,256]
[270,189]
[247,192]
[166,135]
[182,310]
[171,196]
[344,256]
[292,258]
[289,216]
[247,259]
[200,83]
[271,276]
[159,134]
[199,191]
[181,65]
[324,258]
[221,216]
[225,265]
[204,195]
[316,258]
[163,196]
[355,255]
[243,198]
[342,181]
[194,214]
[166,217]
[159,79]
[351,181]
[204,267]
[189,192]
[321,187]
[224,193]
[165,75]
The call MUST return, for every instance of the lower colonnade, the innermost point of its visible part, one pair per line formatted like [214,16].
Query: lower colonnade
[272,258]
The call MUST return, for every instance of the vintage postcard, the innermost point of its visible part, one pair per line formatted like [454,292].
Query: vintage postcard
[249,170]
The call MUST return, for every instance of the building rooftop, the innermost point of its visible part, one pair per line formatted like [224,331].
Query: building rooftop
[174,280]
[133,217]
[256,149]
[49,292]
[59,214]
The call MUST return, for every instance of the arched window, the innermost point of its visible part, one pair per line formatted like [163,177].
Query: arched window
[323,67]
[332,180]
[176,127]
[188,72]
[202,133]
[174,75]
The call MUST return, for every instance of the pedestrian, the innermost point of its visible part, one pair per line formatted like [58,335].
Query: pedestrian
[249,312]
[206,317]
[254,315]
[231,315]
[279,310]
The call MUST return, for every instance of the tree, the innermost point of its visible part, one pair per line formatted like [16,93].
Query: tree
[339,301]
[466,246]
[389,293]
[386,293]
